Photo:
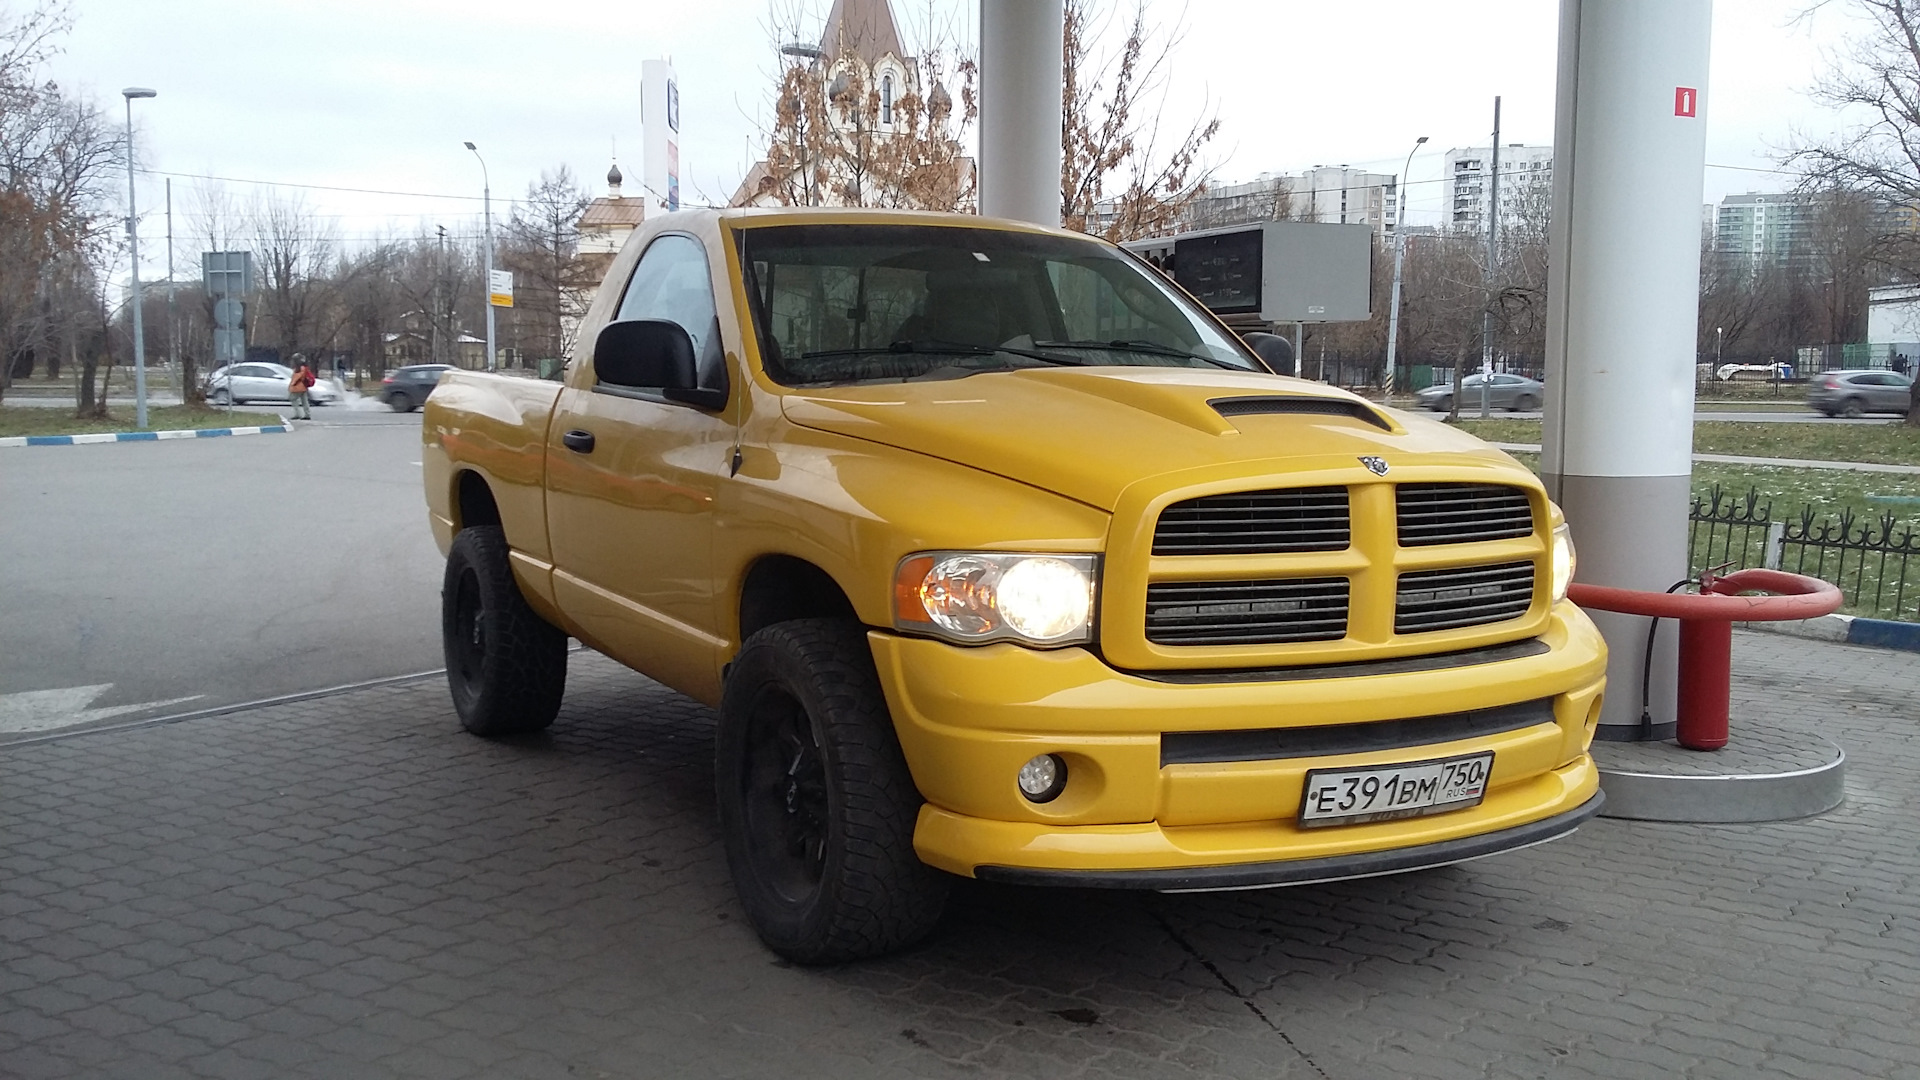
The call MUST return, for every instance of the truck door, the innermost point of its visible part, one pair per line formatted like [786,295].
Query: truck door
[632,480]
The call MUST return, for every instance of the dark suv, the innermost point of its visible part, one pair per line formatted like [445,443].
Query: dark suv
[407,388]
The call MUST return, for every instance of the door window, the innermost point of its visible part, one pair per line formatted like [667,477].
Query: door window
[672,283]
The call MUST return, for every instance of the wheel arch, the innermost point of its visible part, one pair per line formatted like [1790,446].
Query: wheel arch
[473,501]
[778,588]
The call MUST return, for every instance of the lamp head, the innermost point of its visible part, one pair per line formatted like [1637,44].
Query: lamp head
[470,146]
[1421,141]
[132,92]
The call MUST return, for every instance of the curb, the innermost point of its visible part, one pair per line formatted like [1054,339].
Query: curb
[1848,630]
[142,436]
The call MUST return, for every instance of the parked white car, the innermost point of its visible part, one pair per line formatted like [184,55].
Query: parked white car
[261,382]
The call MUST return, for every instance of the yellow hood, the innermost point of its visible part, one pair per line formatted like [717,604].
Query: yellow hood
[1089,433]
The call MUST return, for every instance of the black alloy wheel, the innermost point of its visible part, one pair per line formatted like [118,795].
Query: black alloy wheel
[784,797]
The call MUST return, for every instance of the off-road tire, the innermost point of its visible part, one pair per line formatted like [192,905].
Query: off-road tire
[1853,409]
[821,848]
[506,666]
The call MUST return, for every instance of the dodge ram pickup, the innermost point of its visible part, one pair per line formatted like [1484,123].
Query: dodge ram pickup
[1000,557]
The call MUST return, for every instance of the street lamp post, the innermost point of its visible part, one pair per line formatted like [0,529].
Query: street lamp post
[486,205]
[1399,252]
[133,245]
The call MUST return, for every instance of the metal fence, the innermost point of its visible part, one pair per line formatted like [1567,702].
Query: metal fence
[1867,557]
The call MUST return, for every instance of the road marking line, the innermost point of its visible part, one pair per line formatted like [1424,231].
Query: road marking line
[47,710]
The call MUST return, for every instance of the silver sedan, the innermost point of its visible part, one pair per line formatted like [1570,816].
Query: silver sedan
[261,381]
[1516,392]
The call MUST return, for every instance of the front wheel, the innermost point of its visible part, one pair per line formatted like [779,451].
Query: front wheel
[218,397]
[1525,403]
[506,666]
[816,804]
[399,402]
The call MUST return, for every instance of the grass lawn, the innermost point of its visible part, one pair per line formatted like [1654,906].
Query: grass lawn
[27,420]
[1885,444]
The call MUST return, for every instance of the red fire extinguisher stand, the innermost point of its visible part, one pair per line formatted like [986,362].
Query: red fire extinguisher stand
[1706,634]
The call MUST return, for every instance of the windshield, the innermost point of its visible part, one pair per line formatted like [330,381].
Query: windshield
[869,303]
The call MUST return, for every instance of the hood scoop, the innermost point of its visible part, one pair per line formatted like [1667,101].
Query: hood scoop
[1274,404]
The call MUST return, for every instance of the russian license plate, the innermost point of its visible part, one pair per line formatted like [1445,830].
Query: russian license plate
[1349,796]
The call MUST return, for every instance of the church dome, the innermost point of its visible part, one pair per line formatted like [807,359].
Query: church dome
[613,176]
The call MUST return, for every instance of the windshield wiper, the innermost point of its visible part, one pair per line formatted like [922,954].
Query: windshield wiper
[1149,347]
[941,348]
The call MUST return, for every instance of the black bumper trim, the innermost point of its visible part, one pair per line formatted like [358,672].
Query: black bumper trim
[1269,875]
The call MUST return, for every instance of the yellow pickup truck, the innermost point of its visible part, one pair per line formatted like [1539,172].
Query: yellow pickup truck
[1001,557]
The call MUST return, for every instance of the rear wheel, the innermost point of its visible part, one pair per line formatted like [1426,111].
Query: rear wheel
[1525,403]
[506,666]
[399,402]
[1854,408]
[816,803]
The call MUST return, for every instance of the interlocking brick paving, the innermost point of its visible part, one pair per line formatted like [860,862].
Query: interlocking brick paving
[352,887]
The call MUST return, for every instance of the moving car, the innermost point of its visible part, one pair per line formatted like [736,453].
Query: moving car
[1857,393]
[405,389]
[1000,557]
[1516,392]
[260,381]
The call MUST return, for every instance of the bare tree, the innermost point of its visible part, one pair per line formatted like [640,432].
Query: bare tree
[1876,74]
[551,285]
[56,199]
[1114,137]
[295,253]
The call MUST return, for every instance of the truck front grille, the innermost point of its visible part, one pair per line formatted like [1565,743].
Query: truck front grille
[1256,523]
[1462,596]
[1461,513]
[1247,612]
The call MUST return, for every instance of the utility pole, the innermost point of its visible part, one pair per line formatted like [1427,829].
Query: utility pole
[173,320]
[1399,253]
[439,311]
[1493,269]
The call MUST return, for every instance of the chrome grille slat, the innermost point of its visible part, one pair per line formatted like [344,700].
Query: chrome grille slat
[1459,596]
[1461,513]
[1256,523]
[1247,612]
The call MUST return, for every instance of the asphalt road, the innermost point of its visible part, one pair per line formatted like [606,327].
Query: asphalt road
[204,572]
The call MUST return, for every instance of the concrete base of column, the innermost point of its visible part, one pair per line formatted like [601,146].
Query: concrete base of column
[1630,533]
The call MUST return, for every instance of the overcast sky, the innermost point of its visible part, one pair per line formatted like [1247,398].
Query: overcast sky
[379,94]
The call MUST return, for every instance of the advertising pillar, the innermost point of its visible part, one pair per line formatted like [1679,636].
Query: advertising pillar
[1623,303]
[660,129]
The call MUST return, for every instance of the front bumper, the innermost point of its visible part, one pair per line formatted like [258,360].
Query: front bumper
[968,717]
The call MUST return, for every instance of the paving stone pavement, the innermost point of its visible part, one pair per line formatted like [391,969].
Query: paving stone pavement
[351,887]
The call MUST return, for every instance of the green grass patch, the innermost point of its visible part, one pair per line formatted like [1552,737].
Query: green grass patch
[1883,444]
[28,420]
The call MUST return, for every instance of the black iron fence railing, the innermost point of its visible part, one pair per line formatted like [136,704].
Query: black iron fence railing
[1868,557]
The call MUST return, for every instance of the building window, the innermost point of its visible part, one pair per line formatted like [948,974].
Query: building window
[886,99]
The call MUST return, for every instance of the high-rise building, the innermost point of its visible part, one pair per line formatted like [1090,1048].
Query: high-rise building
[1759,230]
[1526,172]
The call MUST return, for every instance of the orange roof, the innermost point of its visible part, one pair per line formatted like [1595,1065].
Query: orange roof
[606,213]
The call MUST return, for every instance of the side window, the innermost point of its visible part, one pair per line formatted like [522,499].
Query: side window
[672,283]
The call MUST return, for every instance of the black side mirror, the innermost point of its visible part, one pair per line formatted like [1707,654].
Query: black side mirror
[649,354]
[1275,350]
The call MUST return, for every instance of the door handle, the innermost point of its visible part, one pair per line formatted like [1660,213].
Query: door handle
[578,441]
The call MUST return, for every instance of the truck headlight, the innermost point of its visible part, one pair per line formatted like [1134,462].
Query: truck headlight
[974,597]
[1563,561]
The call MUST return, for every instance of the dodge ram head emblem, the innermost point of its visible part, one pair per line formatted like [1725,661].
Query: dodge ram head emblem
[1376,466]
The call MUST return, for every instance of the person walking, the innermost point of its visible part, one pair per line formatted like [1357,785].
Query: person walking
[297,388]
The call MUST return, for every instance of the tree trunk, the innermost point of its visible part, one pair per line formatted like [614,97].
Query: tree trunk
[84,406]
[1913,404]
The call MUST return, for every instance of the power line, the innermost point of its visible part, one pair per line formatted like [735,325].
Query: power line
[312,187]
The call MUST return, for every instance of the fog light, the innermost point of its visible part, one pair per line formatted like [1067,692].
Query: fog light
[1043,778]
